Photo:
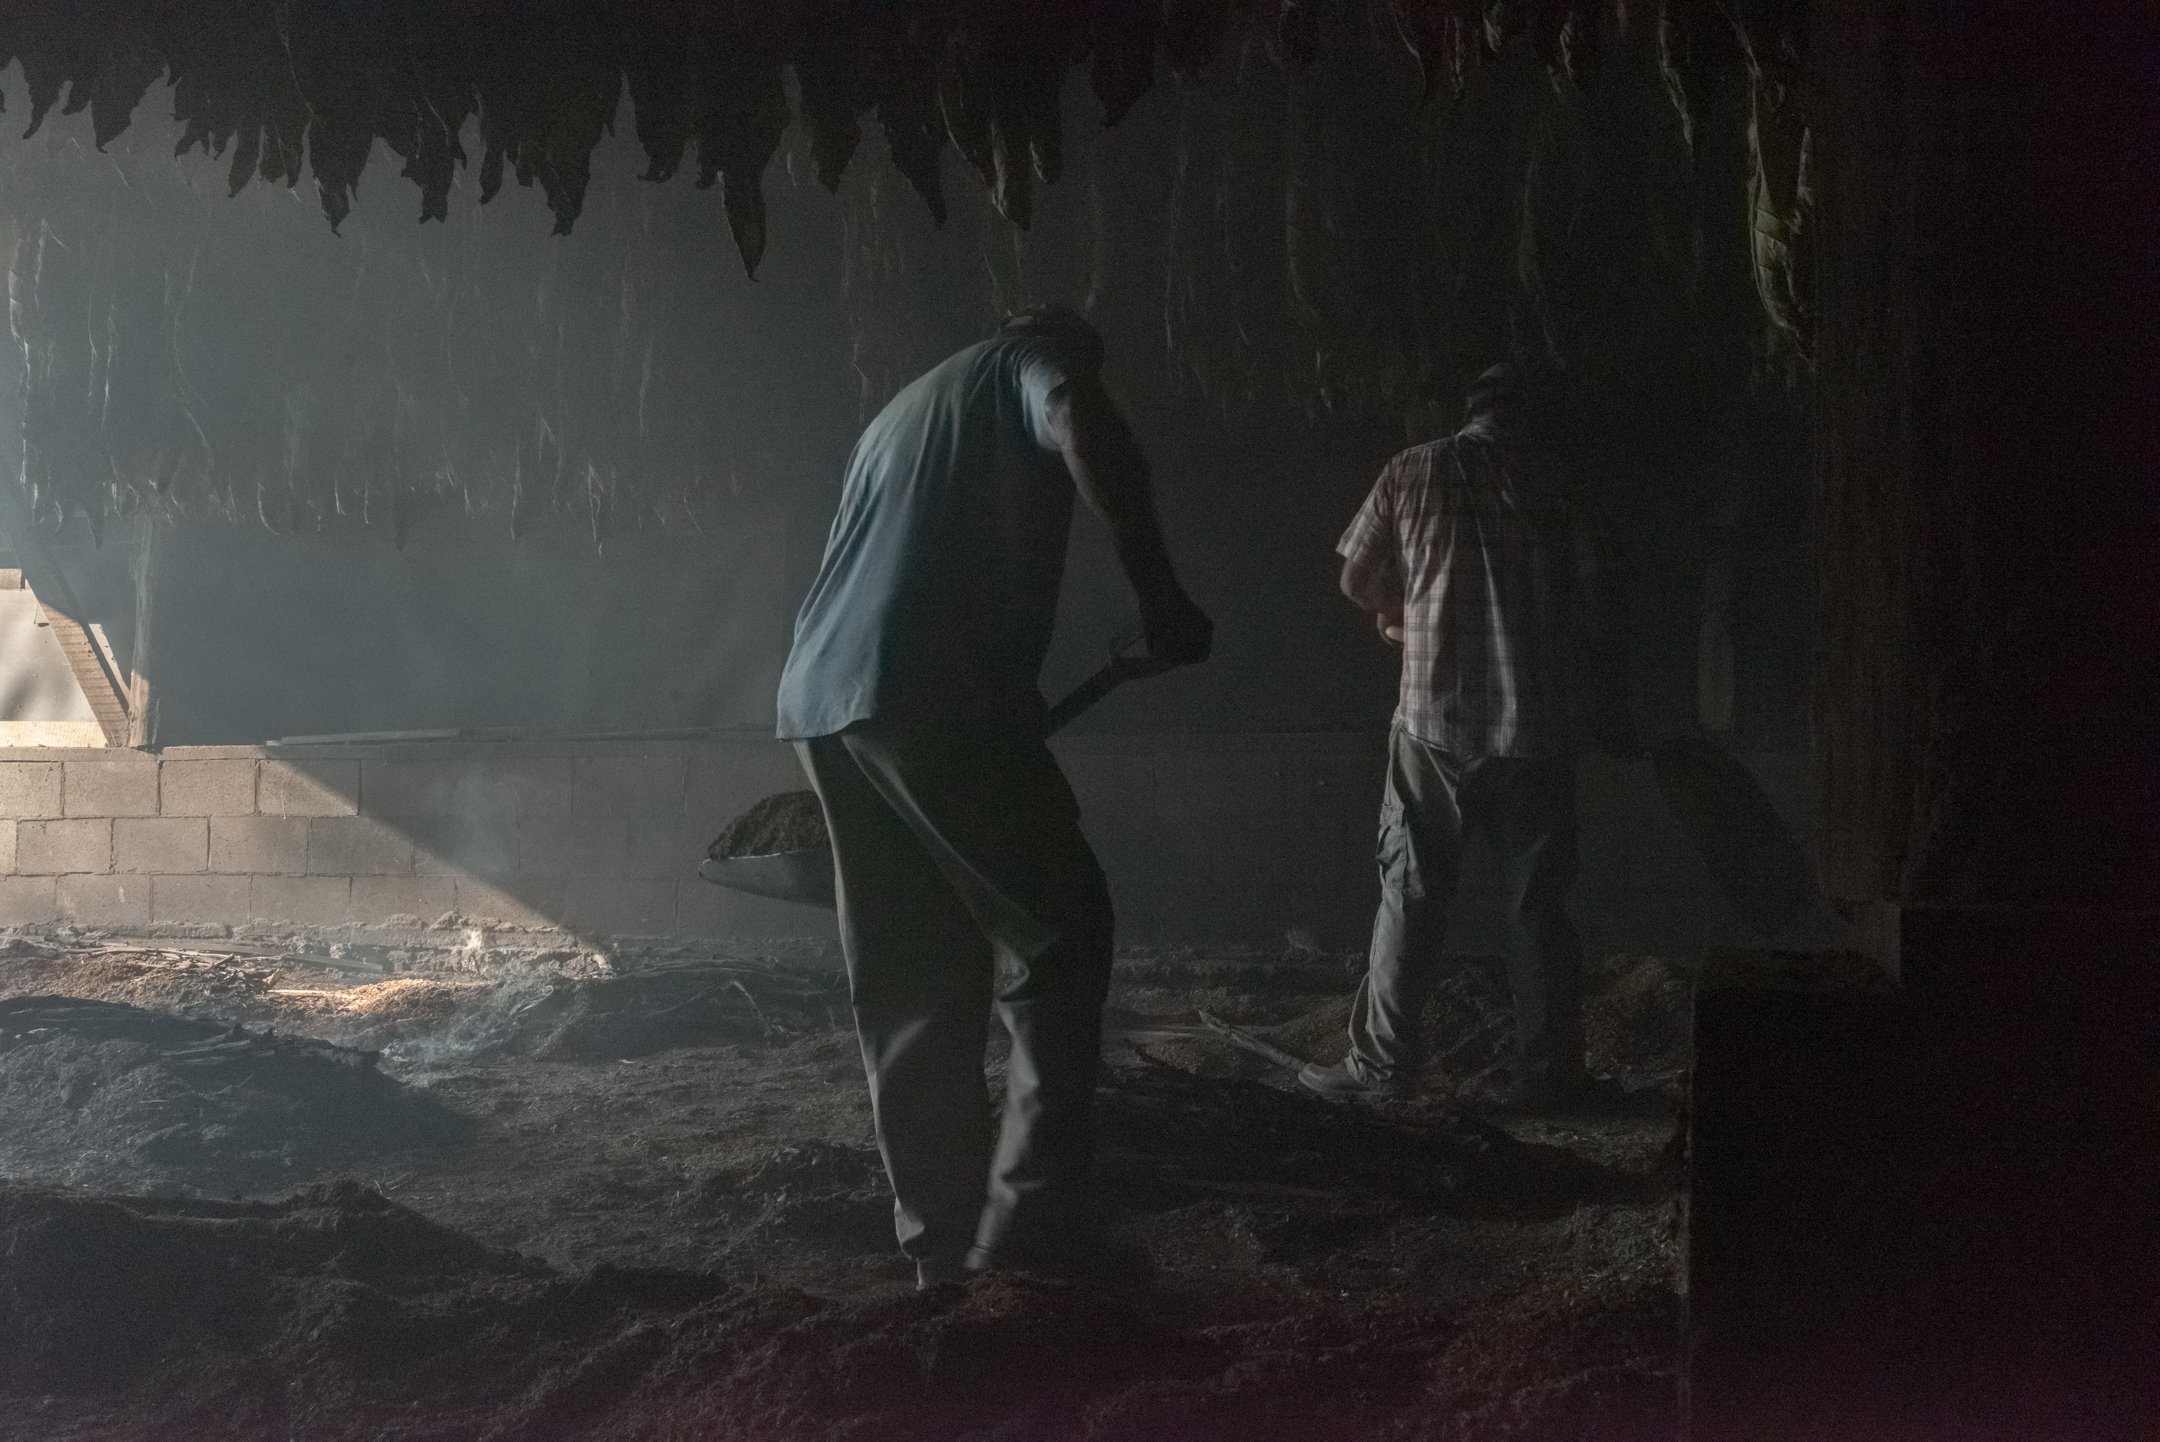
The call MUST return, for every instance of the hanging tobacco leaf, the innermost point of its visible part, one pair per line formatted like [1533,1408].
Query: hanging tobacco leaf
[543,105]
[427,140]
[829,75]
[1122,37]
[1429,30]
[966,84]
[1779,193]
[826,78]
[741,117]
[1503,20]
[1578,44]
[1294,40]
[1193,33]
[656,70]
[247,155]
[1692,39]
[341,104]
[905,85]
[1042,111]
[128,70]
[1016,102]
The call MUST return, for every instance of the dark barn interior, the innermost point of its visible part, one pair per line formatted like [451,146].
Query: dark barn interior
[422,422]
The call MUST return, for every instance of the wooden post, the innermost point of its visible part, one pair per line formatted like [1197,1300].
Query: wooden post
[142,698]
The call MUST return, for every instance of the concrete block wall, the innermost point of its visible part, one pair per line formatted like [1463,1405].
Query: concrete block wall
[1245,840]
[598,841]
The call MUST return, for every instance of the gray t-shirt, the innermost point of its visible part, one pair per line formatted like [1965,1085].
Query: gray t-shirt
[939,587]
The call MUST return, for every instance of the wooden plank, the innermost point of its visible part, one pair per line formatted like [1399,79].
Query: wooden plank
[91,666]
[52,733]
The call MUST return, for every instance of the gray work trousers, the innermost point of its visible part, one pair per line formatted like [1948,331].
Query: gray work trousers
[964,881]
[1526,808]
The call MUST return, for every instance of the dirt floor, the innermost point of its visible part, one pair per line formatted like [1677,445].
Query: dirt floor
[274,1196]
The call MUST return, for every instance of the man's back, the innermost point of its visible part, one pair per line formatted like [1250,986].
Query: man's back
[1471,537]
[938,591]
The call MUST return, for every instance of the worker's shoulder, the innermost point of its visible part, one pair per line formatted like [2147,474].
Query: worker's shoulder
[998,360]
[1420,464]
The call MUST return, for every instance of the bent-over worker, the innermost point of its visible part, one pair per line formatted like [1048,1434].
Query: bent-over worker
[911,696]
[1469,557]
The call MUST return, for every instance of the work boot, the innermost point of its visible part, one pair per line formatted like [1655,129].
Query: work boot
[1349,1080]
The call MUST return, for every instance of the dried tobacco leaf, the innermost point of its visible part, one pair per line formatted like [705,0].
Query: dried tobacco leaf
[905,87]
[1193,32]
[1122,39]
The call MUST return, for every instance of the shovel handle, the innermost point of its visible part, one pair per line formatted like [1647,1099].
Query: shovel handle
[1113,673]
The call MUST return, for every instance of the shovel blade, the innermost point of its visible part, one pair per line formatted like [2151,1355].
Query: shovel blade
[1739,834]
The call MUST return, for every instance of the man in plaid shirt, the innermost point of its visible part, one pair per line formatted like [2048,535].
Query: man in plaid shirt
[1468,555]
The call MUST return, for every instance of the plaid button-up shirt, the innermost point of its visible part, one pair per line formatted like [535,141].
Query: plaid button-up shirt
[1473,541]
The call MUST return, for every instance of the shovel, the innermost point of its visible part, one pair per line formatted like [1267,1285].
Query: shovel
[807,876]
[1737,832]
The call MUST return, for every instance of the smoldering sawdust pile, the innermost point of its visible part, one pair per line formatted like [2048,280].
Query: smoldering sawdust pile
[1635,1011]
[788,821]
[338,1315]
[703,1247]
[104,1094]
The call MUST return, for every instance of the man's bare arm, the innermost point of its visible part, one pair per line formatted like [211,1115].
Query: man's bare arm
[1377,598]
[1112,476]
[1370,589]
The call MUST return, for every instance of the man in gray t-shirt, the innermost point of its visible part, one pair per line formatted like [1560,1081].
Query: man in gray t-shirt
[911,696]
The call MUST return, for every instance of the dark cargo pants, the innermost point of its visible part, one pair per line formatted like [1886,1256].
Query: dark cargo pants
[964,880]
[1526,808]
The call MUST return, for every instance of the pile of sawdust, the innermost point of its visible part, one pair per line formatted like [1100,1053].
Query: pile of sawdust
[99,1094]
[338,1315]
[1635,1024]
[789,821]
[1637,1015]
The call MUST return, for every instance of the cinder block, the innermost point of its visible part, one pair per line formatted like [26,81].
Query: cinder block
[608,907]
[664,848]
[222,900]
[629,786]
[724,778]
[409,788]
[7,846]
[161,844]
[53,848]
[301,900]
[357,846]
[375,899]
[271,845]
[309,788]
[1237,785]
[530,902]
[511,785]
[29,901]
[29,790]
[105,900]
[111,788]
[206,788]
[482,846]
[573,846]
[705,910]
